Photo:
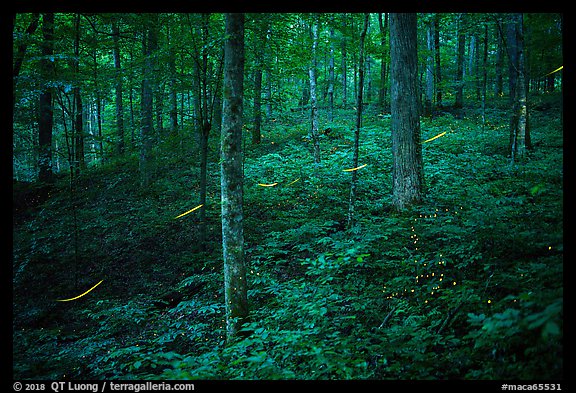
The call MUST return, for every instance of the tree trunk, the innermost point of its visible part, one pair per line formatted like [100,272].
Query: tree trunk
[268,93]
[46,118]
[331,78]
[204,134]
[429,70]
[256,131]
[484,74]
[146,116]
[407,170]
[520,132]
[437,67]
[78,121]
[459,102]
[344,70]
[173,86]
[498,86]
[119,89]
[383,32]
[352,201]
[512,46]
[235,286]
[313,100]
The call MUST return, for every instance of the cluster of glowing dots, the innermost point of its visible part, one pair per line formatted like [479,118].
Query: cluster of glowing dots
[431,275]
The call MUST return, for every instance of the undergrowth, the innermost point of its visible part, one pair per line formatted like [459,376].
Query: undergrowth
[468,285]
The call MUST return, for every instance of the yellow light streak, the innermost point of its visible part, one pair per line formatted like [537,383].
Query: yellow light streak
[354,169]
[79,296]
[293,182]
[189,211]
[267,185]
[437,136]
[556,70]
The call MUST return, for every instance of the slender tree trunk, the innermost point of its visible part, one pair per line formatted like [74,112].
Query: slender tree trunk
[512,47]
[173,87]
[429,70]
[146,116]
[204,134]
[268,93]
[520,139]
[119,90]
[313,100]
[484,74]
[344,69]
[437,67]
[256,130]
[498,86]
[352,201]
[459,102]
[78,121]
[331,77]
[383,32]
[46,119]
[235,286]
[407,171]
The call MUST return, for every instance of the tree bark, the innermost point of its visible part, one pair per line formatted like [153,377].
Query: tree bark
[437,67]
[331,77]
[78,121]
[459,102]
[484,74]
[429,70]
[383,31]
[313,99]
[407,171]
[344,69]
[119,89]
[256,130]
[352,201]
[520,131]
[146,114]
[46,118]
[235,286]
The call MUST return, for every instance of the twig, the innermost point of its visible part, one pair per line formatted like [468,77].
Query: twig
[388,316]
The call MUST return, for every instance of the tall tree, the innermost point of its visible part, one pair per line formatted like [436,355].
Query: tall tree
[118,78]
[407,170]
[498,83]
[352,200]
[383,23]
[80,162]
[484,73]
[235,286]
[149,42]
[519,129]
[461,47]
[344,69]
[331,74]
[429,96]
[313,99]
[46,119]
[437,63]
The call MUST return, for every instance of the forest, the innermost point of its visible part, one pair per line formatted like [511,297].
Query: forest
[287,196]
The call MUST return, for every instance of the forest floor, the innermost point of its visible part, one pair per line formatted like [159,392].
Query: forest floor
[467,285]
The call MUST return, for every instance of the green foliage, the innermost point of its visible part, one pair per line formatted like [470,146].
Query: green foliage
[466,285]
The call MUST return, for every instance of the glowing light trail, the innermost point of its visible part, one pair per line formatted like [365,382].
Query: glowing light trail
[556,70]
[79,296]
[267,185]
[437,136]
[354,169]
[189,211]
